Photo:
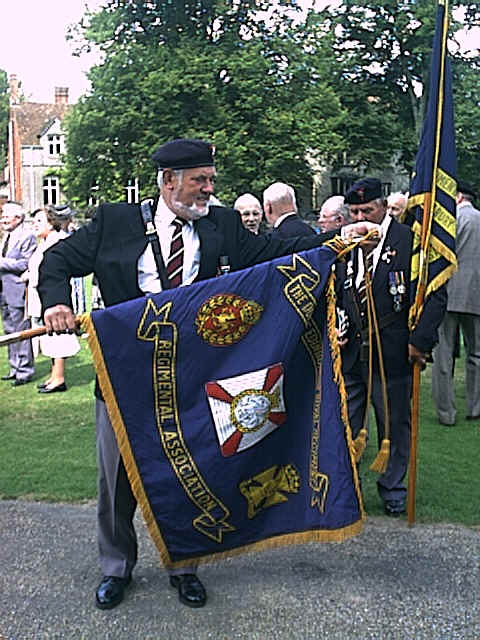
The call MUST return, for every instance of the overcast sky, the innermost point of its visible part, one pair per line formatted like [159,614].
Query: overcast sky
[33,46]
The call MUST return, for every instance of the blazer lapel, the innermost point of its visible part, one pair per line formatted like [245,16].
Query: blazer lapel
[384,265]
[210,246]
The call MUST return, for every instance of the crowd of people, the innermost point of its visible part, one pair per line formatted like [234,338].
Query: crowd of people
[193,234]
[22,249]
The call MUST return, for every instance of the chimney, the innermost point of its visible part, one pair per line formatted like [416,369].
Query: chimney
[61,95]
[13,89]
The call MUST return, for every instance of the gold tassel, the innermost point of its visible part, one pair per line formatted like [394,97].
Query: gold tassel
[381,461]
[360,443]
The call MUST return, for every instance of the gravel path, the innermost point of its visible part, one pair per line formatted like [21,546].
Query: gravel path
[391,582]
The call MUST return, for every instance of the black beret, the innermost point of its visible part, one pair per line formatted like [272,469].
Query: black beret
[364,190]
[467,189]
[184,153]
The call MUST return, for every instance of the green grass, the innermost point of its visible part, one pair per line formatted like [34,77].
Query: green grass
[47,445]
[448,478]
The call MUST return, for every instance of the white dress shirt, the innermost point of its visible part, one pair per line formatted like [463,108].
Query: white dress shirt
[376,253]
[148,278]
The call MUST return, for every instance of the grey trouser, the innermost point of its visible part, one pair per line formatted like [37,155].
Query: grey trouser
[443,385]
[390,484]
[117,540]
[20,354]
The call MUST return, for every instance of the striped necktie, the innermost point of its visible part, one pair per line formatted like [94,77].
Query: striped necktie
[175,259]
[362,289]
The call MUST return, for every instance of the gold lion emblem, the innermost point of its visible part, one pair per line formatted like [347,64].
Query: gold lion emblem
[225,319]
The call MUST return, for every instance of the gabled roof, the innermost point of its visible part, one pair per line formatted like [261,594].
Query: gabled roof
[35,118]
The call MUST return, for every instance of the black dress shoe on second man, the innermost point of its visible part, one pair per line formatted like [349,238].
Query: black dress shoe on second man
[110,591]
[394,508]
[190,590]
[48,389]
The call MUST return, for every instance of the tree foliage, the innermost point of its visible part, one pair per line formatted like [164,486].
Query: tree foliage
[346,83]
[383,50]
[252,88]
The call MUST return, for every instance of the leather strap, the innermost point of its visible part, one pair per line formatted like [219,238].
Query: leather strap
[152,236]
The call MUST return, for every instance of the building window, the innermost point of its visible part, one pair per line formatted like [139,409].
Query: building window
[93,200]
[54,145]
[51,190]
[131,191]
[341,184]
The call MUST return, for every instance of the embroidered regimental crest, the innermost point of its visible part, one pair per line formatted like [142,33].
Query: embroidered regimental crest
[226,318]
[269,488]
[247,408]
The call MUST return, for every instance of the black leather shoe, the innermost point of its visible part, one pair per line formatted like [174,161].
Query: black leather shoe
[59,387]
[394,508]
[468,417]
[18,382]
[11,376]
[190,590]
[42,385]
[110,591]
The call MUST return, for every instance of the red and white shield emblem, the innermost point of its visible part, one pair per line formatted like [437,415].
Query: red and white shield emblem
[247,408]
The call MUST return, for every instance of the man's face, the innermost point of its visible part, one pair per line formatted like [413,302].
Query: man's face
[373,211]
[330,220]
[251,217]
[188,197]
[395,207]
[9,220]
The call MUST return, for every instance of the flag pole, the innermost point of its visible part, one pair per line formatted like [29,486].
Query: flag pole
[28,334]
[430,197]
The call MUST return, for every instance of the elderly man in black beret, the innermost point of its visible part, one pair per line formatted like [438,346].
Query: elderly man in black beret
[389,268]
[134,250]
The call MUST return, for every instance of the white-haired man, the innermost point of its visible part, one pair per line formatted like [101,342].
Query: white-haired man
[191,239]
[251,212]
[18,244]
[333,214]
[280,206]
[397,205]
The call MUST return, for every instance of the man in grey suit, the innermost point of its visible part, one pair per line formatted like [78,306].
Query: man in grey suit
[17,245]
[463,311]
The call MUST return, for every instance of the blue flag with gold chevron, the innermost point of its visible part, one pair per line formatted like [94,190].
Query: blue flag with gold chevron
[229,408]
[434,186]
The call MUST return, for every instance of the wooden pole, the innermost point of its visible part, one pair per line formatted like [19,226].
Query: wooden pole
[412,471]
[28,334]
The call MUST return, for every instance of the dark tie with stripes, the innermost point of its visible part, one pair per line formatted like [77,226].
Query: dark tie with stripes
[175,259]
[362,289]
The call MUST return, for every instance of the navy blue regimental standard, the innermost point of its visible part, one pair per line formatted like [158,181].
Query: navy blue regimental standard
[228,405]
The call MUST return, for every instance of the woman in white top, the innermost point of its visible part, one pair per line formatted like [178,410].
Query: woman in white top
[47,228]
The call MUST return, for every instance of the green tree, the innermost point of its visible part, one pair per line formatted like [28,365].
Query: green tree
[467,120]
[258,90]
[383,49]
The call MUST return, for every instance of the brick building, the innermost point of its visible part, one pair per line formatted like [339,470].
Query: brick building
[36,142]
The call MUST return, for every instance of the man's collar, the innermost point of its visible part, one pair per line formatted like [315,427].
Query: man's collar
[279,220]
[164,215]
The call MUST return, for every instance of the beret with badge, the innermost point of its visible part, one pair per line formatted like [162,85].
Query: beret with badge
[364,190]
[184,153]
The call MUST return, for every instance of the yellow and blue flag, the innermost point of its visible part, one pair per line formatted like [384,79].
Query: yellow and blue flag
[433,187]
[229,409]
